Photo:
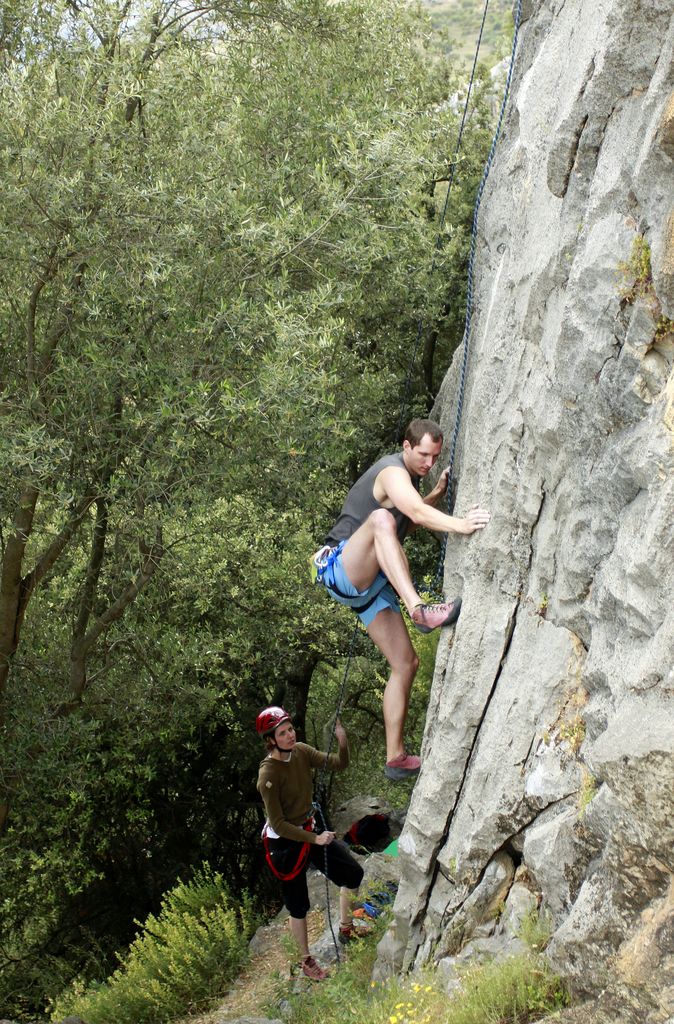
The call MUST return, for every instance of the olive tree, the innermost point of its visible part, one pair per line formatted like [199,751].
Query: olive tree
[214,248]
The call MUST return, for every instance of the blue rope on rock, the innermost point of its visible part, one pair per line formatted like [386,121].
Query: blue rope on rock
[438,238]
[451,495]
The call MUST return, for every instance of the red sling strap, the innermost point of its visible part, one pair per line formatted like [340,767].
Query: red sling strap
[302,856]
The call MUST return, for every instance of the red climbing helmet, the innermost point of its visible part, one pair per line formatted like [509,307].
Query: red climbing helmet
[269,719]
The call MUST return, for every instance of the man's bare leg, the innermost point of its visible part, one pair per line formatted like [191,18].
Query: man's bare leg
[389,633]
[375,546]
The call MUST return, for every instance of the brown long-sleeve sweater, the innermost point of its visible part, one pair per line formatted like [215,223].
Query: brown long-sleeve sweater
[286,788]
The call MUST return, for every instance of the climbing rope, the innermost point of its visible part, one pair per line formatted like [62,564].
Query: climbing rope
[451,491]
[323,823]
[438,238]
[321,788]
[462,379]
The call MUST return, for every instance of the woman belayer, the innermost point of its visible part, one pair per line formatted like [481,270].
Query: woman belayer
[291,836]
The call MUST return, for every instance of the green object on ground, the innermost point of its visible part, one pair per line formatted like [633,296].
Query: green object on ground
[392,849]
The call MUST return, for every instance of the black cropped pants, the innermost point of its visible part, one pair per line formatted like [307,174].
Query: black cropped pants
[334,860]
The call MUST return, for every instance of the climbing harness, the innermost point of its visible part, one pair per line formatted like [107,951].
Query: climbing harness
[302,854]
[322,572]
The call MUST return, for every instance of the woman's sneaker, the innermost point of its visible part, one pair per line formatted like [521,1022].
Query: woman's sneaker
[427,617]
[402,766]
[313,970]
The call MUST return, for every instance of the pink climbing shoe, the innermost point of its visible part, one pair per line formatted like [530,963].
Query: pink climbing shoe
[427,617]
[313,970]
[402,766]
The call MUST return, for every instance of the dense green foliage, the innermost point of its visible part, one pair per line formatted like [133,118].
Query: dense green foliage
[214,248]
[181,959]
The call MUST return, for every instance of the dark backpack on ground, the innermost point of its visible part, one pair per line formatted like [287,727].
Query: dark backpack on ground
[368,831]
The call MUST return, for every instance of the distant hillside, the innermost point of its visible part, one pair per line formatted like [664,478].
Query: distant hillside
[458,23]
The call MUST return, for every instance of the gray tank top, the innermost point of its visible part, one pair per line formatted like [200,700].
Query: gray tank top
[360,503]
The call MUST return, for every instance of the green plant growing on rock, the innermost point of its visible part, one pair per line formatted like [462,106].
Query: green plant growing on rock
[569,727]
[535,929]
[637,278]
[572,733]
[637,283]
[500,910]
[586,793]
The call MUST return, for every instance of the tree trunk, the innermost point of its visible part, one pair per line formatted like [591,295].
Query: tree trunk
[83,645]
[13,585]
[298,682]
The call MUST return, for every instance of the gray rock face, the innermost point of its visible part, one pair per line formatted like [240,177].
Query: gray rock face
[550,733]
[495,938]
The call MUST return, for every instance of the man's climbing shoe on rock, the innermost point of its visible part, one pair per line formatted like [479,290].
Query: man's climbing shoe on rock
[313,969]
[427,617]
[402,766]
[346,933]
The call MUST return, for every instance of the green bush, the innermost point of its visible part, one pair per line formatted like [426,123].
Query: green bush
[180,960]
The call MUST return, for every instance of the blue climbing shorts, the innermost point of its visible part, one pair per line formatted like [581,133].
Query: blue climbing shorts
[327,564]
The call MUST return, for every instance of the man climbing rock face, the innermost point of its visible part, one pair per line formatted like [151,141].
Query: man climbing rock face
[363,565]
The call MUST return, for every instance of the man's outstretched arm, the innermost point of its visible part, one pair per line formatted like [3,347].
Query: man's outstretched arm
[399,489]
